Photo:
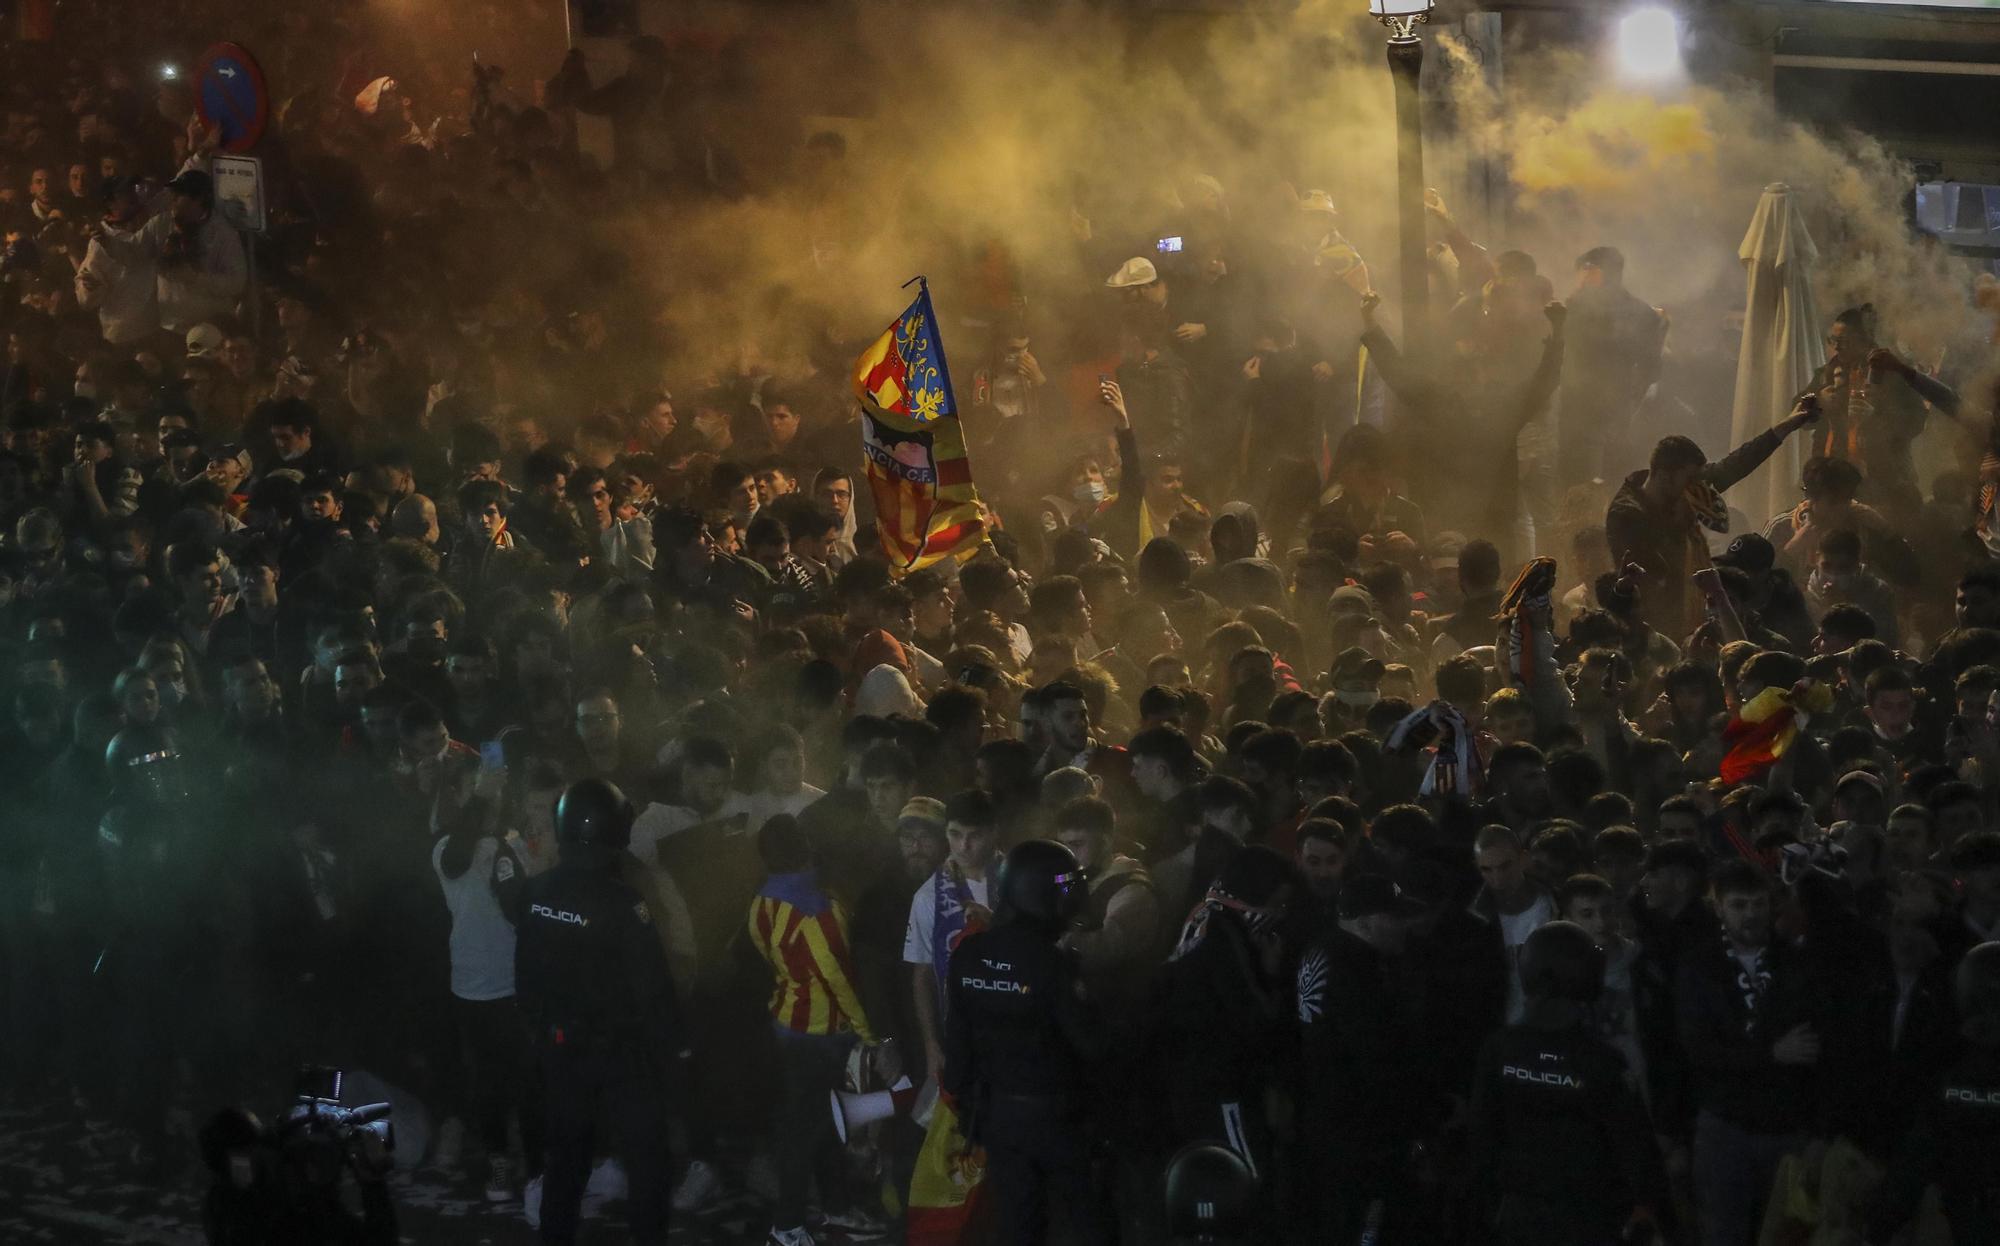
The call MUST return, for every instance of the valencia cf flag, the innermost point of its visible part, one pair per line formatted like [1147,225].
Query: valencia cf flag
[926,508]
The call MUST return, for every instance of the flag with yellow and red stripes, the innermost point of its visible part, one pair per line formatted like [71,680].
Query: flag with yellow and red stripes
[913,447]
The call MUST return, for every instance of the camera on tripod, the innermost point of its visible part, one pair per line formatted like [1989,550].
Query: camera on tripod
[282,1185]
[321,1135]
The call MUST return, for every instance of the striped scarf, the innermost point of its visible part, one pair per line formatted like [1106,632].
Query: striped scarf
[1456,767]
[1218,900]
[1705,502]
[1525,599]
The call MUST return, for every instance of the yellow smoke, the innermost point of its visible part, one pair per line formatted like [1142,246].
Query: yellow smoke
[1615,145]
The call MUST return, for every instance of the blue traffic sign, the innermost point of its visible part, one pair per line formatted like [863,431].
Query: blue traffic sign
[230,96]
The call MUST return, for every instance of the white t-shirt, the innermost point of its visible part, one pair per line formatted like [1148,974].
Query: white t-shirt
[482,939]
[923,918]
[1514,930]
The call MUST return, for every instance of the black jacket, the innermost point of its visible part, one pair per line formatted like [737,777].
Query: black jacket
[1219,1024]
[1015,1024]
[1554,1117]
[1956,1144]
[1871,1070]
[589,971]
[1364,1083]
[1466,971]
[1663,944]
[1729,1041]
[1662,543]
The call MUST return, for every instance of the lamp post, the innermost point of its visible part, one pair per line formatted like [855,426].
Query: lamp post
[1406,63]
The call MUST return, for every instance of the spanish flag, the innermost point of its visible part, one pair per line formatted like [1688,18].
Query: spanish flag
[926,508]
[1766,726]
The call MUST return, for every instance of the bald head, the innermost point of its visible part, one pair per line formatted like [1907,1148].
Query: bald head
[416,517]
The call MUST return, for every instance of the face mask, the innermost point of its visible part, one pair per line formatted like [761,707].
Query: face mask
[172,692]
[1357,698]
[1089,491]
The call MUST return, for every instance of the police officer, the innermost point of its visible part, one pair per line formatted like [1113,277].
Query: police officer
[172,930]
[1560,1143]
[1019,1042]
[1955,1141]
[591,979]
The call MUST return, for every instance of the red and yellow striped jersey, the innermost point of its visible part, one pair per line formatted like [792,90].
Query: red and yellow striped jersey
[814,992]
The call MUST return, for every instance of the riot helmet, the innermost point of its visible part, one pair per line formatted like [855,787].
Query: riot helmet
[1978,989]
[1041,886]
[1211,1195]
[1560,962]
[143,764]
[593,813]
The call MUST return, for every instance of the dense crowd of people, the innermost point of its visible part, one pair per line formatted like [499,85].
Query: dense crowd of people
[1381,764]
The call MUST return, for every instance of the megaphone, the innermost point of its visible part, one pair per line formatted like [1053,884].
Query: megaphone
[852,1111]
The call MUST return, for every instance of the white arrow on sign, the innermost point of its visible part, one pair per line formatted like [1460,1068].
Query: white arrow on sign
[225,71]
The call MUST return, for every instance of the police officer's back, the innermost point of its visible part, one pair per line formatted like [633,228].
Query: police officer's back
[1019,1043]
[1955,1141]
[591,978]
[1560,1141]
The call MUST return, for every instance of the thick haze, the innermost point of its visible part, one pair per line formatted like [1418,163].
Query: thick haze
[972,128]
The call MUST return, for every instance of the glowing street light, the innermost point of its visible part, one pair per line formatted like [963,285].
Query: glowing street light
[1648,46]
[1401,16]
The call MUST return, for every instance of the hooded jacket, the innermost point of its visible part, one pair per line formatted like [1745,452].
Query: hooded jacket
[1664,541]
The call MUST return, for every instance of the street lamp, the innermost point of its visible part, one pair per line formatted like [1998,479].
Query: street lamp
[1647,41]
[1406,64]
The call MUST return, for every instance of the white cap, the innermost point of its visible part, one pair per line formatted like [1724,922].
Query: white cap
[1318,201]
[1137,271]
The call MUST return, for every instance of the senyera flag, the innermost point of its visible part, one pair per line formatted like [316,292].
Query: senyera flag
[926,508]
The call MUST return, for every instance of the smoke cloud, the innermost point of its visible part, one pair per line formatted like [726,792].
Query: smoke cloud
[983,147]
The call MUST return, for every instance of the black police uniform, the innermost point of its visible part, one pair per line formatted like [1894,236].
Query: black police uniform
[1559,1138]
[1955,1143]
[591,977]
[1019,1039]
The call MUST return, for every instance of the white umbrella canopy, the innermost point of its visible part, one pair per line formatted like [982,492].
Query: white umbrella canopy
[1783,345]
